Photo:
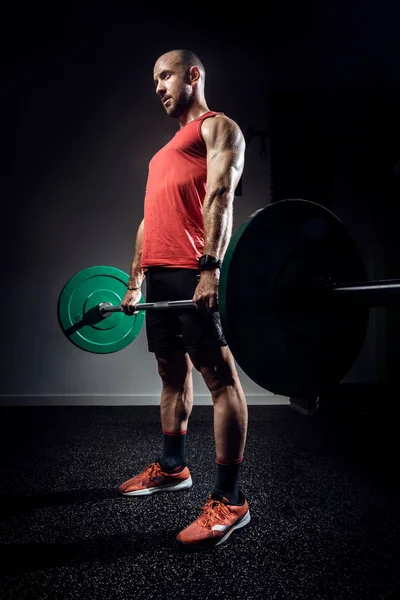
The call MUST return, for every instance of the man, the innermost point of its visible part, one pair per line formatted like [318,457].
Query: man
[179,248]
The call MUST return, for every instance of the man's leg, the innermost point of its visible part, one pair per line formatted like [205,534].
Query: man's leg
[230,415]
[169,472]
[226,509]
[175,369]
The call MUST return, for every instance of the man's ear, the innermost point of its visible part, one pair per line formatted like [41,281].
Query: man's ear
[194,74]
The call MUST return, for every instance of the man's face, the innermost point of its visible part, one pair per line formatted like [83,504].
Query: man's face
[172,84]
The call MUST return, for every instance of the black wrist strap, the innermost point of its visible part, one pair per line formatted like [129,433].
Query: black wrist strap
[208,263]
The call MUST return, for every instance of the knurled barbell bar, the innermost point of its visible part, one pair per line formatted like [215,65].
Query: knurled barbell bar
[293,298]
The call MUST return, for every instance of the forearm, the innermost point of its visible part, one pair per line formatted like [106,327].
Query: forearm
[137,273]
[218,219]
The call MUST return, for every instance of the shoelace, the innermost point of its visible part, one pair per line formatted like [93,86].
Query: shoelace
[153,470]
[212,512]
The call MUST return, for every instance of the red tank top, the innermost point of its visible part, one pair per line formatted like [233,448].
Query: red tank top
[176,186]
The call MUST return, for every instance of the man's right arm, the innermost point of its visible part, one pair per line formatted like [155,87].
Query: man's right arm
[132,297]
[137,273]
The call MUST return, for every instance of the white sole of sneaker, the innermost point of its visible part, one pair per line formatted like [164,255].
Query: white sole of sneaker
[209,543]
[177,487]
[246,519]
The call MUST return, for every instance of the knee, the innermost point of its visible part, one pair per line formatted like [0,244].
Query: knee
[218,377]
[218,381]
[174,372]
[217,369]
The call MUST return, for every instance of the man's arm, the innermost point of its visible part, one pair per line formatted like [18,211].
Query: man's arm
[132,297]
[225,162]
[137,273]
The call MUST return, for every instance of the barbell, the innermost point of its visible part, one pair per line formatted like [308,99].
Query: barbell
[293,298]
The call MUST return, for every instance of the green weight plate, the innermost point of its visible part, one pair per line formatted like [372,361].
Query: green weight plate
[80,319]
[298,349]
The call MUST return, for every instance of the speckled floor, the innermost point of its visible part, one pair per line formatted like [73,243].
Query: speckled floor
[323,496]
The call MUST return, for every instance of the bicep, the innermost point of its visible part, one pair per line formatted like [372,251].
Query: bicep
[225,157]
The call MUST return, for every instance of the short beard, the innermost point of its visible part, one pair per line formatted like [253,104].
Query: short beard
[183,103]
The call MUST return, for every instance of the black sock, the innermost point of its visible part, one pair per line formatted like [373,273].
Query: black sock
[173,454]
[227,478]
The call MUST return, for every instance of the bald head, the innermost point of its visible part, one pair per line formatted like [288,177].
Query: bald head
[179,77]
[183,59]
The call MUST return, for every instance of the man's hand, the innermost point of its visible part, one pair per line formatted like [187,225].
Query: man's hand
[131,298]
[206,293]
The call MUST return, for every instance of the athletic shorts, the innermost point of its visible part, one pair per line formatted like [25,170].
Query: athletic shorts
[186,329]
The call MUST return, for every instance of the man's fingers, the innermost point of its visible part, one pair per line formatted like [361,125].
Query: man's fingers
[129,309]
[132,309]
[206,304]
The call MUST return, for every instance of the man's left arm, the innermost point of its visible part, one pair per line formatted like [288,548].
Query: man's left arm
[225,162]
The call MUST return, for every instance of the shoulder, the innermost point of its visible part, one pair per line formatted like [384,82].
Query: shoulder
[221,127]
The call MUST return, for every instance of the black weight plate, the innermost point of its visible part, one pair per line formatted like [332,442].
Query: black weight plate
[299,350]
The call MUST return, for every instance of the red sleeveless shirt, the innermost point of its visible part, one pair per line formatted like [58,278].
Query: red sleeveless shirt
[173,233]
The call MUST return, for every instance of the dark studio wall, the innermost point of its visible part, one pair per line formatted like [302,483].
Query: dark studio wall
[334,101]
[81,121]
[81,124]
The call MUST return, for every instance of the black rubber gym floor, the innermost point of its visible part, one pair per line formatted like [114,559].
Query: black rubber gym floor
[323,496]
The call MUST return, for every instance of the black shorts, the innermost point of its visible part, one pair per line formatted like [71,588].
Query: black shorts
[185,329]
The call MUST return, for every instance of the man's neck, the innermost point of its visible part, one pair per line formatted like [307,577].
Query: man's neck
[193,113]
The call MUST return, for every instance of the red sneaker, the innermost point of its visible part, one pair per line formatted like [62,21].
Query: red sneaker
[216,523]
[154,479]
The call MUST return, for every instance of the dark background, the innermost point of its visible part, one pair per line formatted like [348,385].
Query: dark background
[80,121]
[325,75]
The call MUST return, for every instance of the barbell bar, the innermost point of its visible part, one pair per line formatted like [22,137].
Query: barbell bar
[293,298]
[105,308]
[371,293]
[382,292]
